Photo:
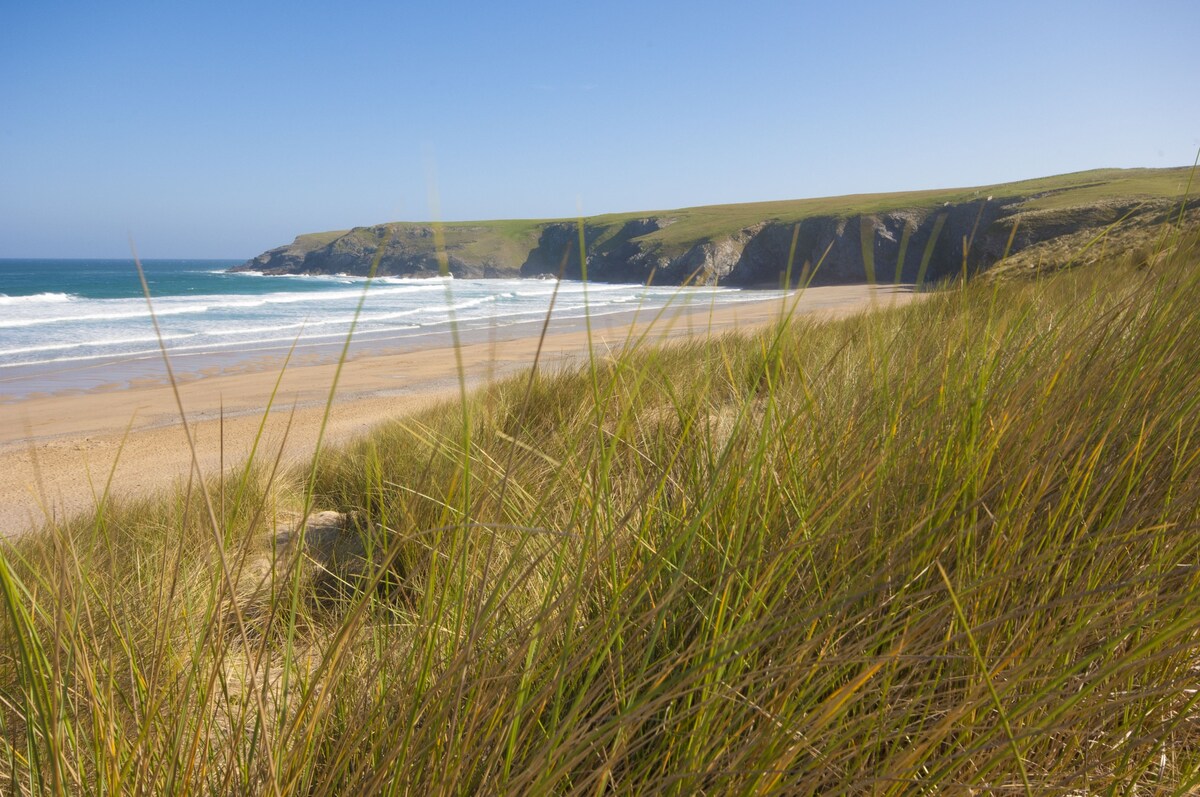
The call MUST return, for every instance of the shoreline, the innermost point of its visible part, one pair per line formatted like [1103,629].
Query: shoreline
[58,451]
[216,331]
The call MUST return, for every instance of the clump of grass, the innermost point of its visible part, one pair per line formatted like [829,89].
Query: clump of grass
[950,546]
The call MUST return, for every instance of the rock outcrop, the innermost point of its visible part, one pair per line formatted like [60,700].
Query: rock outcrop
[401,250]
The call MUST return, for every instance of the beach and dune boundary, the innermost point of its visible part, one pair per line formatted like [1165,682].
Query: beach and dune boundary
[62,451]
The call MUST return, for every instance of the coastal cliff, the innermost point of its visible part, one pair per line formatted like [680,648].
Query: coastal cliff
[907,237]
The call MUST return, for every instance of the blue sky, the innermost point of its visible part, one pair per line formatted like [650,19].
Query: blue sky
[221,129]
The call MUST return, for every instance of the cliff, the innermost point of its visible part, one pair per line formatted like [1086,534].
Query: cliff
[912,236]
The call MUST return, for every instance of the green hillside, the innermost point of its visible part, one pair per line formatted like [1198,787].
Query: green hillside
[748,244]
[713,221]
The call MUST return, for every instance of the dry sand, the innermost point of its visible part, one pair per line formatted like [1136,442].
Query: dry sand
[57,452]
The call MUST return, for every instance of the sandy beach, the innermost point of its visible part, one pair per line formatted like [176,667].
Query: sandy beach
[58,452]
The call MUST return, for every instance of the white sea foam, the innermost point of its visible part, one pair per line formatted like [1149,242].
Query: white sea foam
[98,344]
[51,327]
[97,314]
[36,298]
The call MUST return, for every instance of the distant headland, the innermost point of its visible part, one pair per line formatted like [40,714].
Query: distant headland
[904,237]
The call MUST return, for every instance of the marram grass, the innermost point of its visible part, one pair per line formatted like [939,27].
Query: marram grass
[951,547]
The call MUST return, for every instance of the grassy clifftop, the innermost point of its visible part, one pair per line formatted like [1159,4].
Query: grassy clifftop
[749,244]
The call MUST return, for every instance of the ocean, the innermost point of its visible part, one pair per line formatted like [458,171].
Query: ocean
[70,325]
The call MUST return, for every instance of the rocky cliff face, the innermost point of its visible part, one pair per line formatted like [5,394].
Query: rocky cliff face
[395,250]
[905,245]
[911,245]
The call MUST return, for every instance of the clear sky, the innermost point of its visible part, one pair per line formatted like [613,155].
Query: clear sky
[213,129]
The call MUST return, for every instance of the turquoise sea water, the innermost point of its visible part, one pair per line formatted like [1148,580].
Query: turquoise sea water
[63,321]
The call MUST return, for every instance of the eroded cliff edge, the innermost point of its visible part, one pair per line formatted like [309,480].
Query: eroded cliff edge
[908,237]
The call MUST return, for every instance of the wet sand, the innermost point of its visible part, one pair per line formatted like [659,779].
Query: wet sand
[57,452]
